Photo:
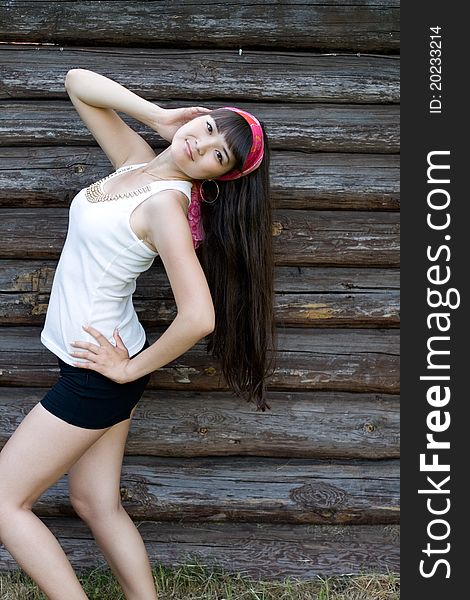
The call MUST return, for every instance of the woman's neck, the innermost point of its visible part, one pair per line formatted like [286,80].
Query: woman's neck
[163,167]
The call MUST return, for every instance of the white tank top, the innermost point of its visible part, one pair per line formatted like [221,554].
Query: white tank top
[97,271]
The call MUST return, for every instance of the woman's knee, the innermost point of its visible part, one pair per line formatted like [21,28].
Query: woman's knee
[13,494]
[91,507]
[8,508]
[5,511]
[10,500]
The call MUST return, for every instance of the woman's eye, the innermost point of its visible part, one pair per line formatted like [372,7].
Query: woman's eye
[209,127]
[219,156]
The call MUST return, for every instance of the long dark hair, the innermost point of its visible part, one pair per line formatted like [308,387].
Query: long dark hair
[237,259]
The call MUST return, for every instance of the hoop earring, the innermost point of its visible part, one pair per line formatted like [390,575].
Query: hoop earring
[204,194]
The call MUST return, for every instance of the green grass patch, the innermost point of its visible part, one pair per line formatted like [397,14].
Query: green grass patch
[194,581]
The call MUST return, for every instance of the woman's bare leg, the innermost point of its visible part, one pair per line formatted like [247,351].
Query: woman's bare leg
[39,452]
[94,484]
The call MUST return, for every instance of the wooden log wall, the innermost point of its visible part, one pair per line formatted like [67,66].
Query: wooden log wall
[310,487]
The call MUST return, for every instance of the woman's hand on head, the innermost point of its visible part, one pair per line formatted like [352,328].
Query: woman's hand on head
[169,120]
[111,361]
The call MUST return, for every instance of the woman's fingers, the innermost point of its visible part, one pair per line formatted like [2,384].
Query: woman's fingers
[118,338]
[104,358]
[86,345]
[198,111]
[194,111]
[92,348]
[95,333]
[82,354]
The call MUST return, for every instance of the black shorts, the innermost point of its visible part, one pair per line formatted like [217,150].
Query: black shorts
[86,398]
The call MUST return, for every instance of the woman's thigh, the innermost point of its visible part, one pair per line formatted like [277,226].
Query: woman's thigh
[40,451]
[95,478]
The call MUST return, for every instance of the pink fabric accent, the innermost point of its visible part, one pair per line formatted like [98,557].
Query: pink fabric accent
[194,215]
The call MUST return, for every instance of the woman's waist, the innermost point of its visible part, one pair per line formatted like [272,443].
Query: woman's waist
[66,323]
[68,368]
[58,335]
[106,321]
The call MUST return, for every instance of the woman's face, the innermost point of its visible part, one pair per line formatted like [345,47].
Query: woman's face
[200,150]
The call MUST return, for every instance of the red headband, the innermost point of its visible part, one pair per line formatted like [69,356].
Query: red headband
[256,153]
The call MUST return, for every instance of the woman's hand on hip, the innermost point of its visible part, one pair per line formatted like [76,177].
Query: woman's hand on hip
[111,361]
[168,120]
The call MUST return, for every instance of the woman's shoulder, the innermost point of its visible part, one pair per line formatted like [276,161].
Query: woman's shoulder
[170,195]
[166,216]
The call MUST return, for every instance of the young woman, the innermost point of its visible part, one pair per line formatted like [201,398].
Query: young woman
[217,253]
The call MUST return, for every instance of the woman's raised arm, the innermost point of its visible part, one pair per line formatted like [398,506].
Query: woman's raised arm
[96,98]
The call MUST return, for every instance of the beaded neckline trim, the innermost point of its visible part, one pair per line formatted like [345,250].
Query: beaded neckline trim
[95,192]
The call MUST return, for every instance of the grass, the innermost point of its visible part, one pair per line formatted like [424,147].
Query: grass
[194,581]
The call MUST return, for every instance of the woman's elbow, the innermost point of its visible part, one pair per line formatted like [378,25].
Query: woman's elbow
[68,79]
[202,324]
[210,327]
[206,324]
[71,75]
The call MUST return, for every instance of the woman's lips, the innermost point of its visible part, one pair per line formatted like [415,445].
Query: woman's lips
[189,151]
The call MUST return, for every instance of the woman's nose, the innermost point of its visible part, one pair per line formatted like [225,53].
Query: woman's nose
[203,145]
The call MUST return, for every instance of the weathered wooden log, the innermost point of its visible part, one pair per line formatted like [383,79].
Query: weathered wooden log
[373,309]
[368,302]
[250,489]
[199,75]
[268,551]
[335,279]
[357,360]
[301,237]
[294,127]
[365,26]
[299,424]
[52,176]
[36,276]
